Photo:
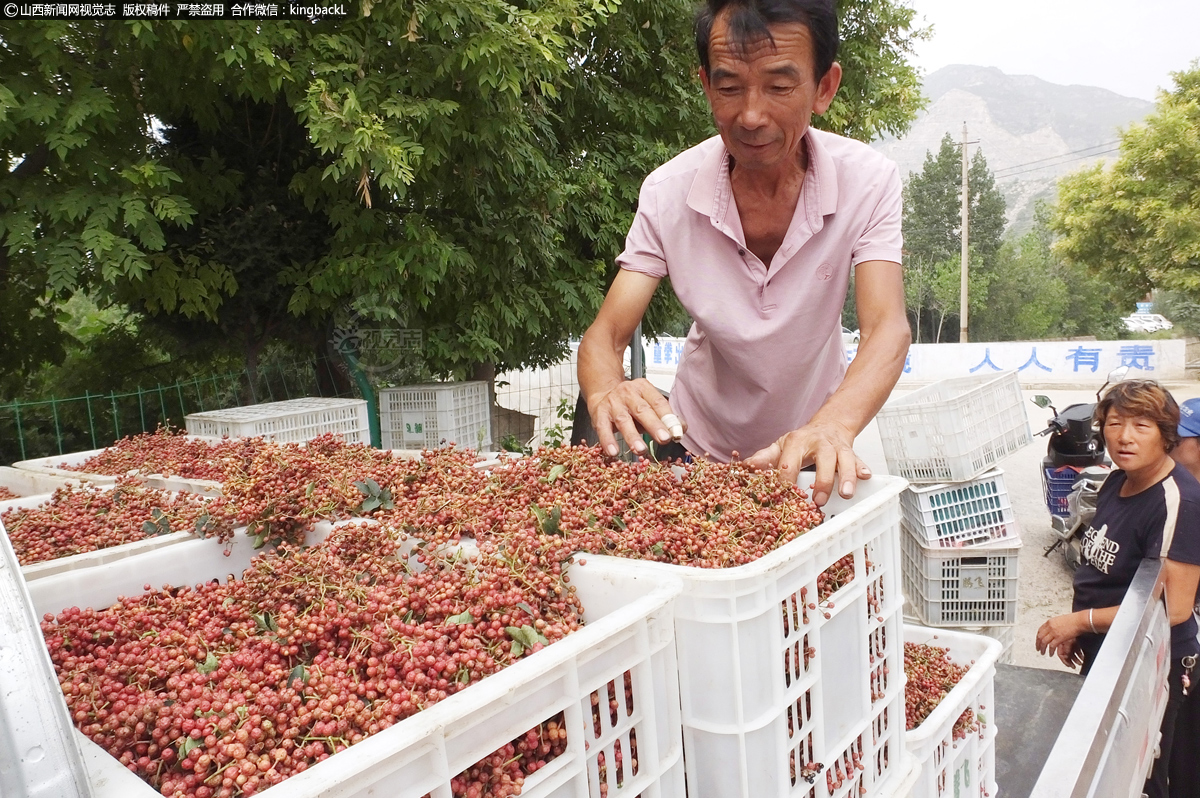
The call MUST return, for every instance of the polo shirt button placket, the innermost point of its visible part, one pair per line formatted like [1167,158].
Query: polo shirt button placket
[762,296]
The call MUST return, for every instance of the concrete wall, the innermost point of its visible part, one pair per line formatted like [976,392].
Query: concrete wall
[1067,363]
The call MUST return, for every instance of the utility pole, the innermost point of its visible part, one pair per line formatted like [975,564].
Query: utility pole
[966,251]
[966,208]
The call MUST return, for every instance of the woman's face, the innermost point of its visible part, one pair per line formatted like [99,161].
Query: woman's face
[1134,442]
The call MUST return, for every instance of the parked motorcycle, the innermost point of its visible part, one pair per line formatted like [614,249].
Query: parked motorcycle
[1074,468]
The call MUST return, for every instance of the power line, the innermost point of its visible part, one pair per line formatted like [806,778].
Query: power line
[1052,165]
[1056,157]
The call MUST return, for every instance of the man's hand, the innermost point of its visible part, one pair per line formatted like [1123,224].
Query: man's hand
[829,446]
[1057,637]
[630,407]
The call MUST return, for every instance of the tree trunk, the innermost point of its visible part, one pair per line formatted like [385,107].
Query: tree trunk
[332,379]
[486,372]
[941,321]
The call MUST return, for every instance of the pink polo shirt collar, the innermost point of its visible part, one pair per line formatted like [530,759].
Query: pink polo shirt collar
[712,193]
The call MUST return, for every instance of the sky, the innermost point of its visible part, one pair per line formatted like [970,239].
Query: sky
[1129,47]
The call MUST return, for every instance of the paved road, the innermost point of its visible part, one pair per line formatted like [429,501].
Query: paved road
[1045,582]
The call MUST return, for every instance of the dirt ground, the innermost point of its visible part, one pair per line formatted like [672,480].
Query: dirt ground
[1045,582]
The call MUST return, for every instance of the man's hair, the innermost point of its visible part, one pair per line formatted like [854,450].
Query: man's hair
[1144,399]
[750,21]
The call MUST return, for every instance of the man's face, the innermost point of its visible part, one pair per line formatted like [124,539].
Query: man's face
[1187,454]
[763,99]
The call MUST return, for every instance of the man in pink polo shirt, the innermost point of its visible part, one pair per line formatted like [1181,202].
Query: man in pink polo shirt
[758,229]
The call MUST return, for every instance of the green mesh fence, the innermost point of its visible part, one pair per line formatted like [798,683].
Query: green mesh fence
[53,426]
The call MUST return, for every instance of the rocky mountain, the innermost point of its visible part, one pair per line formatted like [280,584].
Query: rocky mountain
[1031,131]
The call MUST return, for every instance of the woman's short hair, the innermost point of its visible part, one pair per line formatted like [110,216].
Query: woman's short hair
[1144,399]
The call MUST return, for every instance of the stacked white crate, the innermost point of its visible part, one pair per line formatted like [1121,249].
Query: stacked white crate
[960,540]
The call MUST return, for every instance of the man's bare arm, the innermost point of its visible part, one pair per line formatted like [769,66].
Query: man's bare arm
[827,440]
[613,401]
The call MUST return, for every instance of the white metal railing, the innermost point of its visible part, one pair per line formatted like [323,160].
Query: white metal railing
[1107,746]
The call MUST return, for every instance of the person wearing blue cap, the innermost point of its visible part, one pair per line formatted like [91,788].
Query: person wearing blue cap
[1187,453]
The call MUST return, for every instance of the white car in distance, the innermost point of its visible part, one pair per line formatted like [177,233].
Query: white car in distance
[1147,322]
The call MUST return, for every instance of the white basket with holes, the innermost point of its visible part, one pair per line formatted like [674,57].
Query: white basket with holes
[971,586]
[57,466]
[17,484]
[65,467]
[289,421]
[38,749]
[955,429]
[787,692]
[628,640]
[906,781]
[1006,635]
[91,559]
[961,513]
[957,750]
[436,414]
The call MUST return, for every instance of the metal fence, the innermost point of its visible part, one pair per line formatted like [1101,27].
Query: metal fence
[537,405]
[53,426]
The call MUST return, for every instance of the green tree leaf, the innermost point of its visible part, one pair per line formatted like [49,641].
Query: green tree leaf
[297,674]
[1137,224]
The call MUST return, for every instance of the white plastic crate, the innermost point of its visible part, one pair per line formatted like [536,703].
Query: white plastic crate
[961,513]
[90,559]
[436,414]
[1006,635]
[769,686]
[972,586]
[955,429]
[39,755]
[958,767]
[30,483]
[53,467]
[290,421]
[629,630]
[905,781]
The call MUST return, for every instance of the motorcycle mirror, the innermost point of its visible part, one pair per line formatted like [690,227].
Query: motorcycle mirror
[1118,374]
[1041,400]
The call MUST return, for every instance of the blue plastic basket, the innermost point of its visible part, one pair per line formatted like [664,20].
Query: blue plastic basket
[1058,483]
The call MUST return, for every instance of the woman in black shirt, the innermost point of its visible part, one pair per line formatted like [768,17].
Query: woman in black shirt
[1148,507]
